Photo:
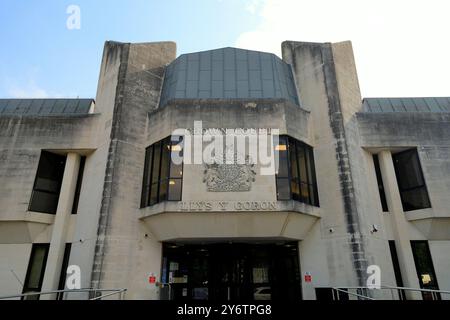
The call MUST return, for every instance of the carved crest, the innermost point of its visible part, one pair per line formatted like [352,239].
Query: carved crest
[234,177]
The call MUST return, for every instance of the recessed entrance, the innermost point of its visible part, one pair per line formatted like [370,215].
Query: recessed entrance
[238,271]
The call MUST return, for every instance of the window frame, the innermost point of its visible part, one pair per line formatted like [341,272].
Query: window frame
[79,184]
[26,288]
[422,186]
[146,193]
[37,176]
[63,274]
[418,263]
[380,183]
[310,172]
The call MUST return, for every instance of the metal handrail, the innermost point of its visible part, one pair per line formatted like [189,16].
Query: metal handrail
[417,289]
[386,287]
[111,292]
[340,289]
[119,291]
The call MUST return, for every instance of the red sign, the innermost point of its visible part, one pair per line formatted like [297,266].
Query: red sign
[151,279]
[308,278]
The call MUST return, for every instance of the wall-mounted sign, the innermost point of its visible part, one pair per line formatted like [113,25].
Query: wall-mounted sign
[233,177]
[228,206]
[183,279]
[173,266]
[308,277]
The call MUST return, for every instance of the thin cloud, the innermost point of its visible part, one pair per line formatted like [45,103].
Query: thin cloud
[31,90]
[401,47]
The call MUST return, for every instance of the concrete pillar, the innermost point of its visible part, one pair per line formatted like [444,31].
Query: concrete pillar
[62,219]
[400,225]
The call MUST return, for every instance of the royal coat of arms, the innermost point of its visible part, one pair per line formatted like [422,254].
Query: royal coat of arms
[234,177]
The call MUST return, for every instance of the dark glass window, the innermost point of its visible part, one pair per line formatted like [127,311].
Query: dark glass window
[411,183]
[376,163]
[397,271]
[78,187]
[163,178]
[282,169]
[47,183]
[62,277]
[295,172]
[425,269]
[329,294]
[36,270]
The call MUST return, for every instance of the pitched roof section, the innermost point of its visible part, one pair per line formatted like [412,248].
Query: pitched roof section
[46,107]
[406,104]
[228,73]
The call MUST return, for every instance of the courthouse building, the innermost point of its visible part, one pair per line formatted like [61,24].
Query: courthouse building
[357,182]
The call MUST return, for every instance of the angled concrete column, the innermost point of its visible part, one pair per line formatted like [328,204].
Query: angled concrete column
[62,218]
[400,225]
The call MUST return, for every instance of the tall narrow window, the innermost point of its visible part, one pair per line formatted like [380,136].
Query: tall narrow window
[47,183]
[282,173]
[376,163]
[62,277]
[145,198]
[176,170]
[411,183]
[76,198]
[295,174]
[425,269]
[36,269]
[397,271]
[163,176]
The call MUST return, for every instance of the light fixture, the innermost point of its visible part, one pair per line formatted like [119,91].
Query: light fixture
[426,278]
[171,182]
[176,147]
[281,147]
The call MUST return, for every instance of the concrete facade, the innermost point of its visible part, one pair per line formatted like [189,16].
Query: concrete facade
[118,244]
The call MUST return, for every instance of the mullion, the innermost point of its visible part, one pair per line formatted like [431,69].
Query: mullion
[293,153]
[169,171]
[297,147]
[151,176]
[307,152]
[145,193]
[278,177]
[303,180]
[158,181]
[314,178]
[289,166]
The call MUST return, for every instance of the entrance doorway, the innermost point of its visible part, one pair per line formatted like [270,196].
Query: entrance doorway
[237,271]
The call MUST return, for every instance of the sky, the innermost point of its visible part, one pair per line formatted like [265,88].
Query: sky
[401,47]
